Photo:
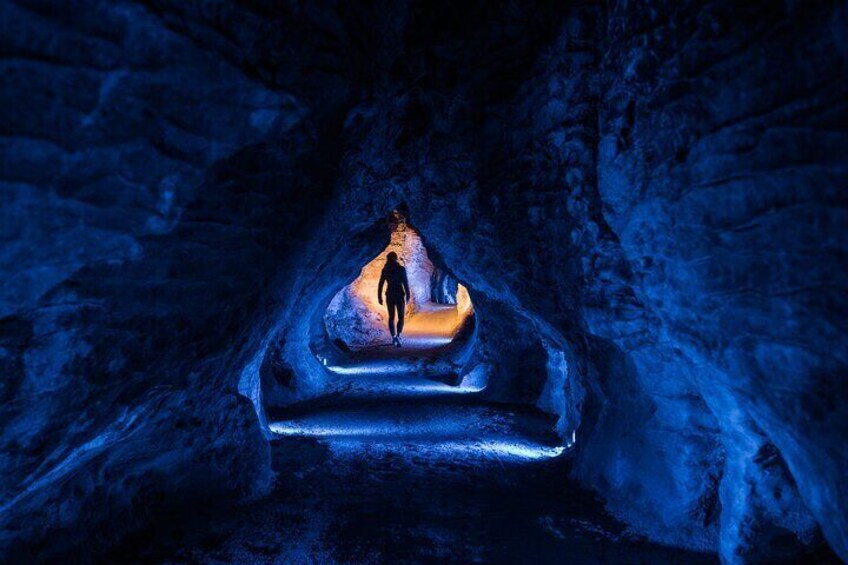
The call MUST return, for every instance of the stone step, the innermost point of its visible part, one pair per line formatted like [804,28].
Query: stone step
[430,427]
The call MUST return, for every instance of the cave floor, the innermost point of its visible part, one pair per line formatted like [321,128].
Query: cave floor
[397,468]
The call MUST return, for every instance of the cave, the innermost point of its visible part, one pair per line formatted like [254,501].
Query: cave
[440,306]
[623,226]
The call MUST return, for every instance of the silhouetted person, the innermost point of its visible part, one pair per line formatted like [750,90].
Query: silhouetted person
[397,293]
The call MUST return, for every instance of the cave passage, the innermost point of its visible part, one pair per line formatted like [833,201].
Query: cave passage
[425,392]
[354,343]
[411,423]
[624,225]
[438,309]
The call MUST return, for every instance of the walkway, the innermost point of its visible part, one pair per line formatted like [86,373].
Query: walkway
[397,466]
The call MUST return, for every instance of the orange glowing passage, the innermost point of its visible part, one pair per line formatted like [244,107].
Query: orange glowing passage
[356,317]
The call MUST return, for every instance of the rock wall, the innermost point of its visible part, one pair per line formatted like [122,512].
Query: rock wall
[155,181]
[721,172]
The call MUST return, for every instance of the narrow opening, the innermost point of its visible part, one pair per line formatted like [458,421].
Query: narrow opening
[438,310]
[432,393]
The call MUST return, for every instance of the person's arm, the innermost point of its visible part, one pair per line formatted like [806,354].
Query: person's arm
[406,284]
[380,287]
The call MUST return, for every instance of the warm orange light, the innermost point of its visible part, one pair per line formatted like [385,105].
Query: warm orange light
[356,305]
[407,244]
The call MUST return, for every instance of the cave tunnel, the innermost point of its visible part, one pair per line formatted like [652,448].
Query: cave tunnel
[623,228]
[364,390]
[431,389]
[438,309]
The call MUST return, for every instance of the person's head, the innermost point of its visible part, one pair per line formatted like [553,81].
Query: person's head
[391,257]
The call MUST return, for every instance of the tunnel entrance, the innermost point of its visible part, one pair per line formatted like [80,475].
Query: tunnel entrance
[431,398]
[439,330]
[439,311]
[331,370]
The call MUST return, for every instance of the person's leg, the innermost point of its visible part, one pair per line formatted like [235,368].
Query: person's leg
[400,310]
[391,308]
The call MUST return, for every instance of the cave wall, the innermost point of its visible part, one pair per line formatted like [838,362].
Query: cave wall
[721,173]
[155,179]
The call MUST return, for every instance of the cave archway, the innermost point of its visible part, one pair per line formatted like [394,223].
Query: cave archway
[328,353]
[439,309]
[351,337]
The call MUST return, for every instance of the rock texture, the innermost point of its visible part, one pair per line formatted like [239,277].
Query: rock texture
[144,171]
[645,201]
[721,163]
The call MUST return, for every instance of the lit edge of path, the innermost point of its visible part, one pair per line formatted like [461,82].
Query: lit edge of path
[358,440]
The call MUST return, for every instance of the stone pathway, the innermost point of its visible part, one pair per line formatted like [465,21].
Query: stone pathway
[395,467]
